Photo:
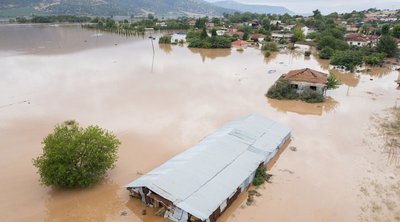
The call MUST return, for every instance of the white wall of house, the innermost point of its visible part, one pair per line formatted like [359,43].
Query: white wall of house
[360,43]
[301,86]
[178,38]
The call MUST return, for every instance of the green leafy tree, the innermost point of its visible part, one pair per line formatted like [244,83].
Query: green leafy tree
[396,31]
[166,39]
[385,29]
[326,53]
[298,35]
[348,59]
[311,96]
[375,58]
[388,45]
[204,34]
[76,157]
[333,82]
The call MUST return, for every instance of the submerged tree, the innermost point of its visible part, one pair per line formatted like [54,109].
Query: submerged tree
[76,157]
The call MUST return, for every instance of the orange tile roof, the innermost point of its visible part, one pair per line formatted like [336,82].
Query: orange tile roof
[306,75]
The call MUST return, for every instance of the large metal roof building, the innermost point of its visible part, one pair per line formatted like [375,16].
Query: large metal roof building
[200,183]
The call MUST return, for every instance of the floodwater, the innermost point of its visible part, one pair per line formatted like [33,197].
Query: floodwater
[160,105]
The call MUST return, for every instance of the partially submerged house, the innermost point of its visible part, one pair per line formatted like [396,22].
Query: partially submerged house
[357,39]
[178,37]
[203,181]
[302,79]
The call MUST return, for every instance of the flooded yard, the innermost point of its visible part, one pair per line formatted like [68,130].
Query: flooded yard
[159,105]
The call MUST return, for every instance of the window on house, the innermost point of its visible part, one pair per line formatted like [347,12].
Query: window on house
[313,88]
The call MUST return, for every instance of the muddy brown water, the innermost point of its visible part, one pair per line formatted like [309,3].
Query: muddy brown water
[159,106]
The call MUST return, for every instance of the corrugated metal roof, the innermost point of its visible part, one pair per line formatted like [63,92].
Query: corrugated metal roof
[200,179]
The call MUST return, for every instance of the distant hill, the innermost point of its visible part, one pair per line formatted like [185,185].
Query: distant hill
[168,8]
[267,9]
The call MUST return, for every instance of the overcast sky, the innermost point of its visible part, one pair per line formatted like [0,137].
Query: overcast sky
[327,6]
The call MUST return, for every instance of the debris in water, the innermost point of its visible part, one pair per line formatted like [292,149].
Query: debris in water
[286,170]
[271,71]
[144,212]
[124,213]
[250,197]
[293,148]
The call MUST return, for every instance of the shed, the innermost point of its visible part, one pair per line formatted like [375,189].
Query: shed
[203,181]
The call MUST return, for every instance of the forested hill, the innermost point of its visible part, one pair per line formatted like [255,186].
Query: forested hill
[112,7]
[261,9]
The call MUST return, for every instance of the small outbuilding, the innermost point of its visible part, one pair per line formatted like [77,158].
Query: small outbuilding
[302,79]
[203,181]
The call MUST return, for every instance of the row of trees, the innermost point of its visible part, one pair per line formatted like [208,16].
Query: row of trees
[53,19]
[202,40]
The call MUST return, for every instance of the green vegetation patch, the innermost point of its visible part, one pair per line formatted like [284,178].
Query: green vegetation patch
[76,157]
[282,90]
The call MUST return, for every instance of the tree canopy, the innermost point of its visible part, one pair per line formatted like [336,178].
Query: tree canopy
[76,157]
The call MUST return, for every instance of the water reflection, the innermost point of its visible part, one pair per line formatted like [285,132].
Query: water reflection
[91,204]
[348,79]
[46,39]
[167,48]
[303,108]
[271,57]
[378,72]
[211,53]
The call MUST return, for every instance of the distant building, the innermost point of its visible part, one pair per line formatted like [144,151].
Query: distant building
[357,39]
[221,32]
[192,22]
[240,44]
[257,37]
[202,182]
[302,79]
[278,36]
[255,23]
[161,24]
[210,24]
[275,22]
[286,27]
[178,37]
[307,30]
[369,20]
[234,32]
[351,28]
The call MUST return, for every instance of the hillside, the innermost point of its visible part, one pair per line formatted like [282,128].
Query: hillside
[267,9]
[113,7]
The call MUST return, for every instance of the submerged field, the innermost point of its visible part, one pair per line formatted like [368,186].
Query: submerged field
[160,105]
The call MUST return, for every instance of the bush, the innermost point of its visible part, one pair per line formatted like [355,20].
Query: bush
[213,42]
[348,59]
[311,96]
[260,176]
[282,90]
[270,46]
[333,82]
[267,53]
[326,53]
[166,39]
[76,157]
[388,45]
[307,53]
[375,58]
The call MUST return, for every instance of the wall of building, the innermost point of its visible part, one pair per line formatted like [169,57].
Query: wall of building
[301,86]
[178,215]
